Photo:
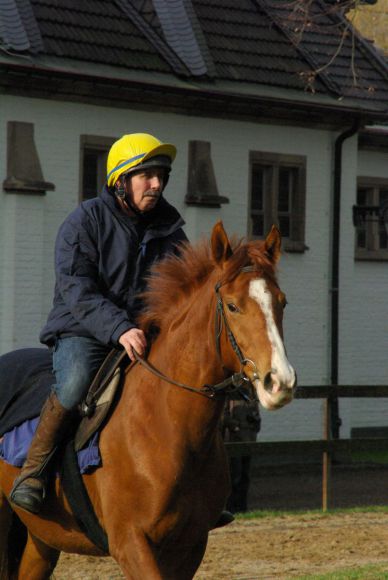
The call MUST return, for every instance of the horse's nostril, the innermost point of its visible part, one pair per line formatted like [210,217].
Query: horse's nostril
[268,382]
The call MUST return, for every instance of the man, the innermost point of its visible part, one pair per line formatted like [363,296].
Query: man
[103,252]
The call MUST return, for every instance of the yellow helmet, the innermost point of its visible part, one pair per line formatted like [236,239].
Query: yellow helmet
[132,151]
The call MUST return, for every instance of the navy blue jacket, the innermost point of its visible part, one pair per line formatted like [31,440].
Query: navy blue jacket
[101,259]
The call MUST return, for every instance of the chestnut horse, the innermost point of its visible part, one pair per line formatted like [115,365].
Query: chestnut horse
[164,476]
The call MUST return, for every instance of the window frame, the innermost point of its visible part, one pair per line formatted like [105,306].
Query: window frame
[371,252]
[273,161]
[101,145]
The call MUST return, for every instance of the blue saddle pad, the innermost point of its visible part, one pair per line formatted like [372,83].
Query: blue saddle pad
[15,443]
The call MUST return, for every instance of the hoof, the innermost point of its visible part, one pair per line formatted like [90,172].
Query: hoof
[224,519]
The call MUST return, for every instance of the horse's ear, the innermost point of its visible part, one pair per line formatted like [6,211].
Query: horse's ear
[272,244]
[221,248]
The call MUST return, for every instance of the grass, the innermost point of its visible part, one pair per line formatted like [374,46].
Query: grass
[378,457]
[372,572]
[258,514]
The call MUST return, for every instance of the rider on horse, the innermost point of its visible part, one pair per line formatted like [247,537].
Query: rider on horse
[104,250]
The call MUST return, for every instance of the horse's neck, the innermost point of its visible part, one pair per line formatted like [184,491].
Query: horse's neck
[185,351]
[187,346]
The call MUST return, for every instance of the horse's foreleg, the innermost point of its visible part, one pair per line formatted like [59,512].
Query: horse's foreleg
[135,556]
[184,563]
[192,561]
[5,526]
[38,561]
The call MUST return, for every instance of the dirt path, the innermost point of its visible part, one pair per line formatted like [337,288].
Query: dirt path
[264,549]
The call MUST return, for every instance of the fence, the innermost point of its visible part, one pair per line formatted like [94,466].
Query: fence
[327,446]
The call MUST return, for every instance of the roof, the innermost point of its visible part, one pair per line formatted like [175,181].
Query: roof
[256,47]
[18,27]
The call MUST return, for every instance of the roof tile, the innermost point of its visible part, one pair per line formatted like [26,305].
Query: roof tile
[262,42]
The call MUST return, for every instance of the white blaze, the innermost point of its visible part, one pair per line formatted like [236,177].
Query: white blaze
[282,372]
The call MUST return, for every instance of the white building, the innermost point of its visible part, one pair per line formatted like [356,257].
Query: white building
[294,138]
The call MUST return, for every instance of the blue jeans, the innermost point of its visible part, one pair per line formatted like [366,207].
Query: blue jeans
[76,360]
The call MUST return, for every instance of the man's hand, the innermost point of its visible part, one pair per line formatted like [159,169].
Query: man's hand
[133,339]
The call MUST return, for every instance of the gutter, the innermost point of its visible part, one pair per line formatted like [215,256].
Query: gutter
[335,420]
[96,77]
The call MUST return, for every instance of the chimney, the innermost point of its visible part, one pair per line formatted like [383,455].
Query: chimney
[201,182]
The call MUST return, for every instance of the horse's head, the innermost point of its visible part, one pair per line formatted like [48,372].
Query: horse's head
[251,304]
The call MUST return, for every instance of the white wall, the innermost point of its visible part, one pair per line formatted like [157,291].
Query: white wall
[363,306]
[29,225]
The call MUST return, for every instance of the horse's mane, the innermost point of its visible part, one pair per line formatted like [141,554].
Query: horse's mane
[176,277]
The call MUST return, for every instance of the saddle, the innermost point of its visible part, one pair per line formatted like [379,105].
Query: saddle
[26,379]
[100,397]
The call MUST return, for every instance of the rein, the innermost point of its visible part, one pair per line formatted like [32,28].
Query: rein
[209,391]
[231,383]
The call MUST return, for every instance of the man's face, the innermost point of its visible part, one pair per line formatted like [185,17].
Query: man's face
[145,187]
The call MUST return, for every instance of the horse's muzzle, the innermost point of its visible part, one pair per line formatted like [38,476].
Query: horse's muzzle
[273,383]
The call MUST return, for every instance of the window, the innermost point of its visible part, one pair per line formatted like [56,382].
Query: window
[94,153]
[277,196]
[371,235]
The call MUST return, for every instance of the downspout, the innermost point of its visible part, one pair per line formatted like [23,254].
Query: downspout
[335,420]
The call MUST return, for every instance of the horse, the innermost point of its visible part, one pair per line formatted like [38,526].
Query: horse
[164,478]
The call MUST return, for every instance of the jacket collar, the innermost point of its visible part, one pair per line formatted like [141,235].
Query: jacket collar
[163,220]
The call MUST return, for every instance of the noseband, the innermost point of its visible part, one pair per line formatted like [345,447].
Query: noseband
[232,382]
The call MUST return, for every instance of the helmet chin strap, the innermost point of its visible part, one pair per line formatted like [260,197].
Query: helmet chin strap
[120,191]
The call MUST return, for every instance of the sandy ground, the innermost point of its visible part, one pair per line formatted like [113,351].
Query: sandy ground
[278,547]
[288,546]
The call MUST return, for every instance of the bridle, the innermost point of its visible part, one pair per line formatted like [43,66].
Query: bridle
[230,383]
[221,320]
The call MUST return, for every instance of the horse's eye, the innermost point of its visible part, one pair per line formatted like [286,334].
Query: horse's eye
[232,307]
[283,300]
